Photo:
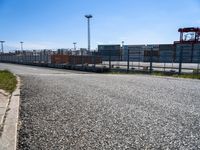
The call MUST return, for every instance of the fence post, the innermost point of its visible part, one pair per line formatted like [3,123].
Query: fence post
[128,60]
[151,60]
[180,60]
[198,66]
[94,60]
[82,58]
[164,66]
[110,59]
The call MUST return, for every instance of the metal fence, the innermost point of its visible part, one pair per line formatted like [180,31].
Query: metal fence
[132,60]
[85,62]
[151,60]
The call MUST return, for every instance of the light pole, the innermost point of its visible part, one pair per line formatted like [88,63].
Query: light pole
[21,46]
[88,20]
[122,43]
[74,46]
[2,46]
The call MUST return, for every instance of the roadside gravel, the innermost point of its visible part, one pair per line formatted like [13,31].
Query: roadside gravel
[74,111]
[71,110]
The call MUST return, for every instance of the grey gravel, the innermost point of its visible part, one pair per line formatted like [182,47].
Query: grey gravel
[73,110]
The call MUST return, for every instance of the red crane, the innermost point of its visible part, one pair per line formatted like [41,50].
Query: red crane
[189,35]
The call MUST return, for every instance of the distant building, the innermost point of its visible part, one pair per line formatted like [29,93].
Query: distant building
[63,51]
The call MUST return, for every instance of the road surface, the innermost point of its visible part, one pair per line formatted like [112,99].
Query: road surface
[63,109]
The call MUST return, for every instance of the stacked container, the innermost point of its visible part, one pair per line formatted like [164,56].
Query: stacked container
[136,53]
[166,53]
[187,55]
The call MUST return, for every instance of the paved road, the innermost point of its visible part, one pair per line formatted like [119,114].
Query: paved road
[73,110]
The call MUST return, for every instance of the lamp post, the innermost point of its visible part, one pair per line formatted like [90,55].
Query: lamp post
[21,45]
[74,46]
[1,49]
[88,20]
[2,45]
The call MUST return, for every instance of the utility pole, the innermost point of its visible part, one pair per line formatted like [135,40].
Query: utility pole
[2,45]
[21,45]
[88,20]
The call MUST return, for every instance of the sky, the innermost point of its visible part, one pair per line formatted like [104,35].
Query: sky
[58,23]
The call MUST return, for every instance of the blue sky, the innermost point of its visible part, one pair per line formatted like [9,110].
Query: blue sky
[59,23]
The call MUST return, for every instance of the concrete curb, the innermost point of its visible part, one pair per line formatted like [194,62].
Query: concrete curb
[4,92]
[8,139]
[2,119]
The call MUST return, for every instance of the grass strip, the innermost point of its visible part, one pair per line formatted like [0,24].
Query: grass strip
[8,81]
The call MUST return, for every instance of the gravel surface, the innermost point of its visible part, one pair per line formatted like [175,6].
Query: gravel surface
[73,110]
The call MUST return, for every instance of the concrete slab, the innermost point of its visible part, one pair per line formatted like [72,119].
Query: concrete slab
[4,100]
[2,110]
[1,119]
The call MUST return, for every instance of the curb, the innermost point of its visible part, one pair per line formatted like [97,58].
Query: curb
[4,92]
[8,139]
[8,96]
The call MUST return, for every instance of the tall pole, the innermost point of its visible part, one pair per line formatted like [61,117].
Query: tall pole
[21,46]
[2,46]
[88,21]
[74,45]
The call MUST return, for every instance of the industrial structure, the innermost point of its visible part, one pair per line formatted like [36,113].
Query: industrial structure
[186,50]
[2,46]
[188,47]
[88,22]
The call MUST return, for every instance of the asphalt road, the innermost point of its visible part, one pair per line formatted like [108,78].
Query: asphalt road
[74,110]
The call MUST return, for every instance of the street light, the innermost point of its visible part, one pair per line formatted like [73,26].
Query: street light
[74,46]
[21,46]
[2,45]
[88,20]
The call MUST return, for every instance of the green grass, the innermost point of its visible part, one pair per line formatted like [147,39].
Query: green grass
[190,76]
[8,81]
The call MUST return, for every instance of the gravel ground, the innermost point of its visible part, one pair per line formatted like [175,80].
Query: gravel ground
[73,110]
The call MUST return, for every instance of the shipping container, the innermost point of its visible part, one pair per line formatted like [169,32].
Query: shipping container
[187,53]
[60,59]
[166,52]
[74,60]
[136,52]
[110,52]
